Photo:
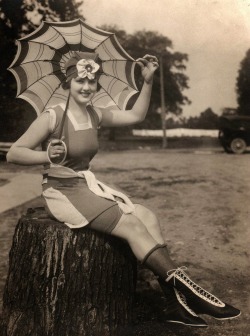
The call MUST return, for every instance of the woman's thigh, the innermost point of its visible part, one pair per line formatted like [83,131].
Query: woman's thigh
[107,220]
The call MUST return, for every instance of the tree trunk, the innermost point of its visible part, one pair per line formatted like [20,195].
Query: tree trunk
[64,282]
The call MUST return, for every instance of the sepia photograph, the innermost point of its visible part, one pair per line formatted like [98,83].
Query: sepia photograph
[124,168]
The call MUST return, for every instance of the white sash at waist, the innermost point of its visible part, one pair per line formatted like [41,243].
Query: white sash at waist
[94,185]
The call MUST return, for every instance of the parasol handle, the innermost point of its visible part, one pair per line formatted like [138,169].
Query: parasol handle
[59,160]
[64,117]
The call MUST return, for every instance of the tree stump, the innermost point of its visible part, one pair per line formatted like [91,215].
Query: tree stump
[65,282]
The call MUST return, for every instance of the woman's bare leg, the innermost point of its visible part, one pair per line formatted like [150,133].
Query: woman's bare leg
[149,219]
[138,237]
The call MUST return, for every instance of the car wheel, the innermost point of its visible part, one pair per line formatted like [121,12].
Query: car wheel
[227,149]
[238,145]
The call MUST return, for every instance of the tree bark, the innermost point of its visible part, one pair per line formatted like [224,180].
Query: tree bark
[64,282]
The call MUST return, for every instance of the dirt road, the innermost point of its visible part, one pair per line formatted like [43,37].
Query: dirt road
[202,201]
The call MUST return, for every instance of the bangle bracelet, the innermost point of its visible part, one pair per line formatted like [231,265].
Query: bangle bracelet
[47,152]
[57,160]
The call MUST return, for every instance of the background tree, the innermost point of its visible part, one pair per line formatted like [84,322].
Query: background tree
[243,86]
[18,18]
[206,120]
[12,23]
[226,111]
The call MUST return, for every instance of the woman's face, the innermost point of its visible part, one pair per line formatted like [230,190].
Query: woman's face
[83,89]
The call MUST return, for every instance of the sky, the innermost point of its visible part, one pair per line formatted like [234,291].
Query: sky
[214,33]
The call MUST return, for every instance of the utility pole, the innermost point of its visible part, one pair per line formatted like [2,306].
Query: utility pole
[163,106]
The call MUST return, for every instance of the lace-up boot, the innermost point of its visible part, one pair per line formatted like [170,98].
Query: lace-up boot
[200,301]
[177,310]
[158,261]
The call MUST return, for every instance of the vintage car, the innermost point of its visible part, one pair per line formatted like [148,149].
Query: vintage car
[234,133]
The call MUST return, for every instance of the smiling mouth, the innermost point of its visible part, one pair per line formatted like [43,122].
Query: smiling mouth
[85,94]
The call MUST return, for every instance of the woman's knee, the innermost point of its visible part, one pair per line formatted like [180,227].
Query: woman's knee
[129,226]
[146,215]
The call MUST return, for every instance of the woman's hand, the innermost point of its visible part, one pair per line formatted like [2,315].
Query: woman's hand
[148,65]
[57,150]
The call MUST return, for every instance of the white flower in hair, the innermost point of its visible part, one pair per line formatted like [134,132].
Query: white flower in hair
[87,68]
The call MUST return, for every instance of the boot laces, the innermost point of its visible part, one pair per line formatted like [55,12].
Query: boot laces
[182,300]
[180,275]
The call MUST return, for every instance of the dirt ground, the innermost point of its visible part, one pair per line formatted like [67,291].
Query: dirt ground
[202,200]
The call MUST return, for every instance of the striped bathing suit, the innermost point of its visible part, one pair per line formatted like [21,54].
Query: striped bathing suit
[71,192]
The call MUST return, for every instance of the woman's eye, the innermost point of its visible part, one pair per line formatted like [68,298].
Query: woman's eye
[79,80]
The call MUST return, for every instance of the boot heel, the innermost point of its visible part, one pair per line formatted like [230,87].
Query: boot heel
[177,310]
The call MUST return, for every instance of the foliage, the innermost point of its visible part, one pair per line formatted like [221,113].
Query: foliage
[18,18]
[207,120]
[67,9]
[226,111]
[243,86]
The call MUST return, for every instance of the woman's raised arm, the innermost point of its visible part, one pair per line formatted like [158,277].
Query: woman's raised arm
[137,114]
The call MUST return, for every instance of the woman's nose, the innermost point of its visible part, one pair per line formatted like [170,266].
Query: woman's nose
[85,86]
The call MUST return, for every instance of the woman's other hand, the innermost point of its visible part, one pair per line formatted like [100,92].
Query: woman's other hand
[148,65]
[57,150]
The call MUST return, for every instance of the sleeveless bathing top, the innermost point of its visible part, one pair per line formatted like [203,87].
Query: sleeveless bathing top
[81,139]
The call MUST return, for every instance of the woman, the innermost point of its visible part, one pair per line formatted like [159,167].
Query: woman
[73,195]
